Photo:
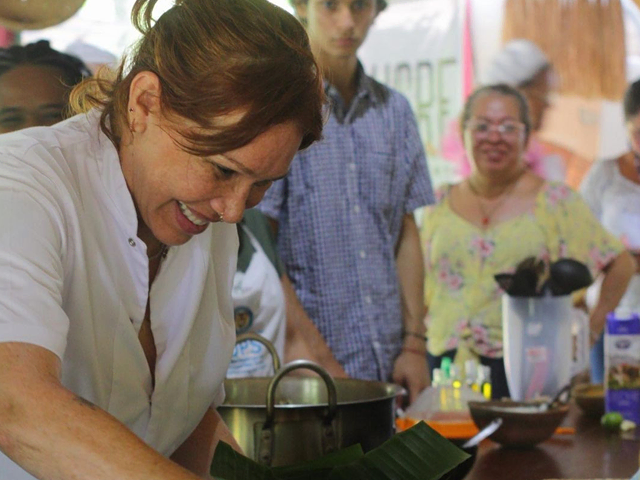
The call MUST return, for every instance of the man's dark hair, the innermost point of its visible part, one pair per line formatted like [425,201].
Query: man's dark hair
[41,54]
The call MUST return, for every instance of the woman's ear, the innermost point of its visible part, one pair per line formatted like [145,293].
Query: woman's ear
[144,100]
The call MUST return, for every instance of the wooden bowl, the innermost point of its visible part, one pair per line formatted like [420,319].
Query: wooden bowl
[523,423]
[590,398]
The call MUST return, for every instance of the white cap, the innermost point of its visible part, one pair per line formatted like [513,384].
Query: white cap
[90,54]
[516,64]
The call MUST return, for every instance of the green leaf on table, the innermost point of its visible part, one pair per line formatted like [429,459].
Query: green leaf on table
[228,464]
[419,453]
[320,468]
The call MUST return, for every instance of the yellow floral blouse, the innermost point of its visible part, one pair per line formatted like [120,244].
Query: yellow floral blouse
[463,298]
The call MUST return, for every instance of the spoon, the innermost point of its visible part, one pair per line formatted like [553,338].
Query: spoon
[482,434]
[557,399]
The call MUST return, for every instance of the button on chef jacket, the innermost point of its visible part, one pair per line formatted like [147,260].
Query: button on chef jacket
[74,280]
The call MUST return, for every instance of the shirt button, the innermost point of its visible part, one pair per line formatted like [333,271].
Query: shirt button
[352,167]
[356,209]
[363,254]
[367,299]
[132,242]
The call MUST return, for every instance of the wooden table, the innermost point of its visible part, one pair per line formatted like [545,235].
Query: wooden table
[588,454]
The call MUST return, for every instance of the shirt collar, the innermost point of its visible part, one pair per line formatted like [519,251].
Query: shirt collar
[110,170]
[366,88]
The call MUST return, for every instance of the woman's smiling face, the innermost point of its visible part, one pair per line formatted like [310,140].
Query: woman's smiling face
[494,136]
[176,193]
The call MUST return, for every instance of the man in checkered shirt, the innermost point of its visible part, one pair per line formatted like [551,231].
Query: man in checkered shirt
[344,214]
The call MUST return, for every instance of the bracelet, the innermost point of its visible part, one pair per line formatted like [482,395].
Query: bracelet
[417,335]
[422,353]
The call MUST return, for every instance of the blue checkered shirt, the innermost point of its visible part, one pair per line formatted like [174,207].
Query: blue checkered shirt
[340,211]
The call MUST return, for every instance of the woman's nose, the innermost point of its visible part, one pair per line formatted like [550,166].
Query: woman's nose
[232,205]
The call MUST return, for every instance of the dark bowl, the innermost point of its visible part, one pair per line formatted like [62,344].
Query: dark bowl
[523,425]
[590,398]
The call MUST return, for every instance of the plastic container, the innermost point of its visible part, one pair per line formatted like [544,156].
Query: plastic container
[538,344]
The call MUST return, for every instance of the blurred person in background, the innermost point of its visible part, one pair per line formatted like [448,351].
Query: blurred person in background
[612,191]
[344,214]
[488,223]
[118,242]
[522,65]
[266,303]
[35,82]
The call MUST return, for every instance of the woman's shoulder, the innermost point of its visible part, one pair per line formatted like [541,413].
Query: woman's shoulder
[554,191]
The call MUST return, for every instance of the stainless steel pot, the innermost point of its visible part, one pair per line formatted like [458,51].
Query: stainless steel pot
[286,420]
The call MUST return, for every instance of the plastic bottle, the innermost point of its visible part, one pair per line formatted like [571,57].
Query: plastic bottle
[456,387]
[446,393]
[484,380]
[471,375]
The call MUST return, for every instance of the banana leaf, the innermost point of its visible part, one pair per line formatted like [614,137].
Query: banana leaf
[419,453]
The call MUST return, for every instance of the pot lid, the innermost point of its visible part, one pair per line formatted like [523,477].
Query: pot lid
[36,14]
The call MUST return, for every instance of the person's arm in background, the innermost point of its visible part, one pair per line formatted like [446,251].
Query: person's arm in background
[616,279]
[303,340]
[410,369]
[54,434]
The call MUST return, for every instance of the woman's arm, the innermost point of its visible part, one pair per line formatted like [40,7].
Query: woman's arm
[56,435]
[614,284]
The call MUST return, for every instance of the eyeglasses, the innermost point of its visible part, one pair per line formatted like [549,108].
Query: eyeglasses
[508,129]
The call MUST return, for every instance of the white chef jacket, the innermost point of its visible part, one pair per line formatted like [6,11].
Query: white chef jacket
[74,280]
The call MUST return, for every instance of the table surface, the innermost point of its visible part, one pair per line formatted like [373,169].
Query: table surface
[590,453]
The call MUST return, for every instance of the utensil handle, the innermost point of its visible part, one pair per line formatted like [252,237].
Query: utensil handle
[295,365]
[245,337]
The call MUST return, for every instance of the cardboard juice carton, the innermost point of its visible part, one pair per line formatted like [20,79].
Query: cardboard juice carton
[622,366]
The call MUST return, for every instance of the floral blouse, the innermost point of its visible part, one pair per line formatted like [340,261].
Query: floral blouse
[463,298]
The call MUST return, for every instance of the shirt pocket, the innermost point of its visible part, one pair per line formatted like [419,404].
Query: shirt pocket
[377,180]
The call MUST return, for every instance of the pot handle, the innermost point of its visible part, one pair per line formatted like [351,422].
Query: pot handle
[245,337]
[295,365]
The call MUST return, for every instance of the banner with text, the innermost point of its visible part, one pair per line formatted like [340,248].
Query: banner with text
[417,47]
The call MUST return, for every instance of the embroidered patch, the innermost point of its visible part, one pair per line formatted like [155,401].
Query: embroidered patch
[244,319]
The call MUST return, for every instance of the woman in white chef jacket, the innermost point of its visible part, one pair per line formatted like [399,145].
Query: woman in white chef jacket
[118,249]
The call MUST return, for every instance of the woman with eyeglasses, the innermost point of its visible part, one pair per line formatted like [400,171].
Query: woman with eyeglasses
[522,65]
[499,215]
[612,190]
[118,245]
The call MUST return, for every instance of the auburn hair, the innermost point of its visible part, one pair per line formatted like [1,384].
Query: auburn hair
[213,58]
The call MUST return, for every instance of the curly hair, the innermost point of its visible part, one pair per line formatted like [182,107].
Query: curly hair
[41,54]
